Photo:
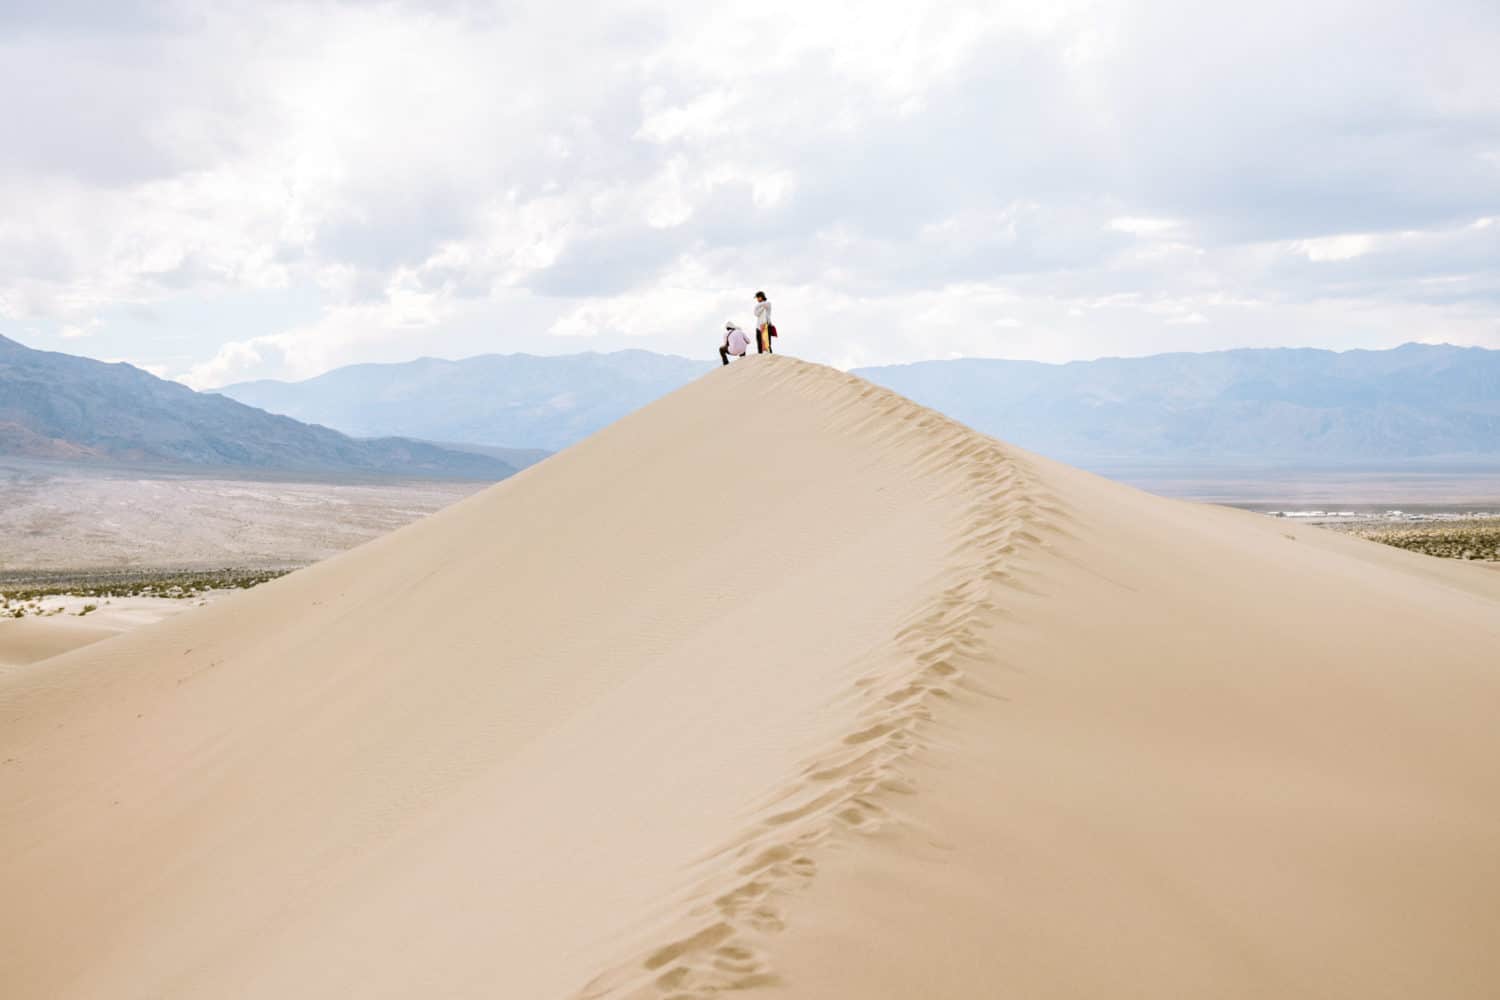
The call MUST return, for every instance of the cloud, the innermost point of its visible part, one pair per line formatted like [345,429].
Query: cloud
[1054,181]
[1336,247]
[1139,226]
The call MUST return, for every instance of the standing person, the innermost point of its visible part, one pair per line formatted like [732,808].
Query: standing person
[764,330]
[736,342]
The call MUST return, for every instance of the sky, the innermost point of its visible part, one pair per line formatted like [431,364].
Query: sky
[220,192]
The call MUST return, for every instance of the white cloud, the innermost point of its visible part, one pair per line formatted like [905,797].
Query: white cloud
[705,117]
[991,178]
[1336,247]
[1138,226]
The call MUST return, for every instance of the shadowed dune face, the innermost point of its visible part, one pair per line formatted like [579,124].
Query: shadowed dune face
[782,685]
[1227,757]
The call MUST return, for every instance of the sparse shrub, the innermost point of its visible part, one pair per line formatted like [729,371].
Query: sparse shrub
[31,587]
[1476,539]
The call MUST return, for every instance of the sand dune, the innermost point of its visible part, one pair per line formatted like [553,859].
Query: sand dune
[29,640]
[782,685]
[37,637]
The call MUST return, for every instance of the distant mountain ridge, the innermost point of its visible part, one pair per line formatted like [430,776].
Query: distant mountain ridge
[1282,405]
[65,407]
[1279,404]
[511,400]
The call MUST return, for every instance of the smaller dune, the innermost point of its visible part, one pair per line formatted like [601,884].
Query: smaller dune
[26,640]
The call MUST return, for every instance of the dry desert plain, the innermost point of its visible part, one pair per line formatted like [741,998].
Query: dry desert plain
[63,518]
[849,702]
[87,553]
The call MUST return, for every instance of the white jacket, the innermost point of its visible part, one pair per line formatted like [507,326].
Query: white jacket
[737,341]
[762,314]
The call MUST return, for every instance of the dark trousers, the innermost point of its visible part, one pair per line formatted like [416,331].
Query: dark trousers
[724,353]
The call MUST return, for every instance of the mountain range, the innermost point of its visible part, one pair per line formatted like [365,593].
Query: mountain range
[1253,405]
[60,406]
[1289,405]
[515,400]
[485,417]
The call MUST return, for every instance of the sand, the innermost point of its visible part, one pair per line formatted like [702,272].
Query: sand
[28,640]
[57,626]
[788,686]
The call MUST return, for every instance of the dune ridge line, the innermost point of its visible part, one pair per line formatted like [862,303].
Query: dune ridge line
[849,787]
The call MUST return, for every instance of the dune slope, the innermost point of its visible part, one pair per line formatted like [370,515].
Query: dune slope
[782,685]
[28,640]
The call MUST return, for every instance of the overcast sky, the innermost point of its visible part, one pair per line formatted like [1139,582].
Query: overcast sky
[275,189]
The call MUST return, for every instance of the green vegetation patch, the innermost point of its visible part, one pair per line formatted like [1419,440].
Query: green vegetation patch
[1467,539]
[22,588]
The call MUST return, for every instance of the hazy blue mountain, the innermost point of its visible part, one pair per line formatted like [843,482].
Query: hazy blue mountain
[515,400]
[59,406]
[1290,405]
[1308,406]
[518,458]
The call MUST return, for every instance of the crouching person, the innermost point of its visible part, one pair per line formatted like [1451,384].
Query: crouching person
[736,342]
